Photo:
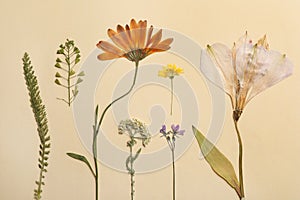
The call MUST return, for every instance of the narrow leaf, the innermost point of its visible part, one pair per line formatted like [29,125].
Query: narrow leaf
[79,80]
[81,158]
[217,161]
[136,155]
[81,73]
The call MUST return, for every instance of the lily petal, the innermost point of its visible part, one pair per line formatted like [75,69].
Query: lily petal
[216,65]
[276,68]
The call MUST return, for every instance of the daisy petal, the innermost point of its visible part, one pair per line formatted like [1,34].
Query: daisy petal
[124,36]
[166,42]
[155,39]
[163,46]
[142,34]
[129,37]
[134,33]
[149,36]
[107,56]
[117,39]
[108,47]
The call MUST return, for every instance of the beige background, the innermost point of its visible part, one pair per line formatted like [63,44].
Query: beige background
[270,124]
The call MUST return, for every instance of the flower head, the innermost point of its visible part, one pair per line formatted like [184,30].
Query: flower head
[133,42]
[170,71]
[176,130]
[246,70]
[171,135]
[135,129]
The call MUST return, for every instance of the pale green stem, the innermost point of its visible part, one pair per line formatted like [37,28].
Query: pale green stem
[173,164]
[241,179]
[131,175]
[172,94]
[69,78]
[96,129]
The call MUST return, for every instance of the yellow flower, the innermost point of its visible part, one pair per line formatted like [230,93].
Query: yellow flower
[246,70]
[132,42]
[170,71]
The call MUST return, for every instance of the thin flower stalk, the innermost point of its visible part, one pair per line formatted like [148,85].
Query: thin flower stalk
[170,137]
[170,71]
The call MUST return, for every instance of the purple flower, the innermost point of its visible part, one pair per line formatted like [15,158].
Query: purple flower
[163,129]
[176,130]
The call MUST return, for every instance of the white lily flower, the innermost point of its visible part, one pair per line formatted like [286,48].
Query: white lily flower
[245,70]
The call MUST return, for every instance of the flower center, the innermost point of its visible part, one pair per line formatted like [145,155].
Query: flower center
[136,55]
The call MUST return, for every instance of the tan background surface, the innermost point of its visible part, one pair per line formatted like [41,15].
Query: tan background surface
[270,124]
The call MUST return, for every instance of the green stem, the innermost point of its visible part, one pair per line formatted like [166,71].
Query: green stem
[114,101]
[173,164]
[96,164]
[241,179]
[131,174]
[172,94]
[97,127]
[69,78]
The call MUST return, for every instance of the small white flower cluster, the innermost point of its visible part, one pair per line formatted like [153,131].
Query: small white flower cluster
[135,129]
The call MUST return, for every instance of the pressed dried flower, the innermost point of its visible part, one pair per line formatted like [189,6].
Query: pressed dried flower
[135,129]
[170,71]
[133,42]
[246,70]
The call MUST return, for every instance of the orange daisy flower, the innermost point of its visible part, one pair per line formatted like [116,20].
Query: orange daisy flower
[133,42]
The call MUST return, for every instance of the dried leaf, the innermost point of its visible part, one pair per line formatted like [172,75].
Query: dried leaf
[217,161]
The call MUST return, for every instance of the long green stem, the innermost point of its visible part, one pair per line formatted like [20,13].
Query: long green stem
[96,164]
[69,76]
[173,164]
[172,94]
[117,99]
[97,127]
[131,174]
[241,179]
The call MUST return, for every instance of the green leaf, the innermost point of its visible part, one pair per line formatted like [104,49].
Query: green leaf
[60,51]
[136,155]
[57,65]
[81,158]
[57,82]
[72,72]
[217,161]
[81,73]
[57,75]
[58,60]
[79,80]
[75,91]
[78,157]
